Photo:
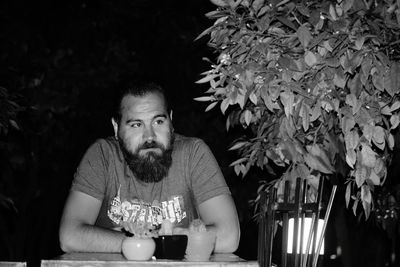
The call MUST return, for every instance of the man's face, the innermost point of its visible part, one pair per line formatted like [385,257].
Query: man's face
[145,133]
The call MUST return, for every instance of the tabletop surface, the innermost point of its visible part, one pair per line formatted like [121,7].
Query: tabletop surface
[116,259]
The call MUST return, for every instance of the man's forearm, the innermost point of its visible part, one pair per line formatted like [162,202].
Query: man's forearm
[89,238]
[227,241]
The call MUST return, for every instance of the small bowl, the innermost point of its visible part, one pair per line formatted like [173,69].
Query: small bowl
[171,247]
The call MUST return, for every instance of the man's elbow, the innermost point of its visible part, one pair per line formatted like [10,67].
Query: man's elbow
[232,245]
[230,242]
[67,243]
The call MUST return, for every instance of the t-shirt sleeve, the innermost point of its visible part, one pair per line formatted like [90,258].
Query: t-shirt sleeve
[90,177]
[206,176]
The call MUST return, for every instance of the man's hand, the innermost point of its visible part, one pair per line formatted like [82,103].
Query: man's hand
[180,231]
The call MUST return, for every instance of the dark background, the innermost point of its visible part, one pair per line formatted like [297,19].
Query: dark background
[60,61]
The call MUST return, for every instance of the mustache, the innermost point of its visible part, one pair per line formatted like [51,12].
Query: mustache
[151,144]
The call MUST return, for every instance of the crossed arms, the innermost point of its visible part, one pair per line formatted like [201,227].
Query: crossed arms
[78,232]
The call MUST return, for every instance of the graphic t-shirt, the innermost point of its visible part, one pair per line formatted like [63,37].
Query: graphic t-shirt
[193,178]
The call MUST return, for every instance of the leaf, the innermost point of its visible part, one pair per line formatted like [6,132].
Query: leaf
[286,22]
[220,2]
[211,106]
[316,151]
[239,100]
[374,178]
[257,4]
[355,204]
[310,58]
[237,145]
[14,124]
[224,105]
[379,135]
[233,3]
[288,127]
[287,100]
[368,156]
[366,199]
[304,36]
[205,98]
[379,166]
[305,115]
[328,47]
[360,175]
[348,194]
[392,79]
[286,63]
[220,91]
[351,157]
[394,71]
[366,66]
[327,105]
[390,141]
[386,111]
[394,121]
[315,164]
[377,80]
[355,85]
[332,12]
[359,42]
[332,62]
[347,124]
[207,78]
[253,98]
[345,63]
[339,10]
[213,14]
[352,101]
[338,79]
[395,106]
[263,10]
[236,168]
[316,112]
[247,116]
[368,132]
[205,32]
[351,139]
[238,161]
[347,4]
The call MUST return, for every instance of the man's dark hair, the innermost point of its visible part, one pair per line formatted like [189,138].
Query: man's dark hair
[137,89]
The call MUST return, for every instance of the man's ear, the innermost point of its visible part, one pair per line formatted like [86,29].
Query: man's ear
[170,114]
[115,126]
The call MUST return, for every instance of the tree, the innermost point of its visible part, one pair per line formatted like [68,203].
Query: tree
[315,84]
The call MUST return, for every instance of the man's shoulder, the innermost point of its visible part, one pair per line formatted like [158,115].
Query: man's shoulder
[106,142]
[182,141]
[106,146]
[189,145]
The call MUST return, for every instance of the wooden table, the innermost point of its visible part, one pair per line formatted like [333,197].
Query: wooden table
[116,259]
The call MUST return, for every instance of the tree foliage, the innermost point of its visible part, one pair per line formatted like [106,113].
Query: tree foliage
[315,82]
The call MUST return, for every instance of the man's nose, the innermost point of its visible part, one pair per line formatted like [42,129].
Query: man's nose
[148,134]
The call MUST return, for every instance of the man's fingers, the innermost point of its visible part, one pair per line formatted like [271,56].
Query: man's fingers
[180,231]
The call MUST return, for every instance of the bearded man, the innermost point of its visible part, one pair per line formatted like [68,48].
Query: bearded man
[145,174]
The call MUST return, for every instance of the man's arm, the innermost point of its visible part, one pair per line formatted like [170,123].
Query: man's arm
[77,230]
[219,213]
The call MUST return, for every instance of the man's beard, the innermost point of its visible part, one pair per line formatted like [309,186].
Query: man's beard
[150,167]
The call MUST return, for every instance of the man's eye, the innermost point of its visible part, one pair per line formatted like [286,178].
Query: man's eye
[135,125]
[158,122]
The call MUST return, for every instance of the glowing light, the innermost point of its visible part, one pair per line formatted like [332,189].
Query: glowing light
[306,232]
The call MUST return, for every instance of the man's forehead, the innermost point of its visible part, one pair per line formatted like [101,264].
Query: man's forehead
[149,103]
